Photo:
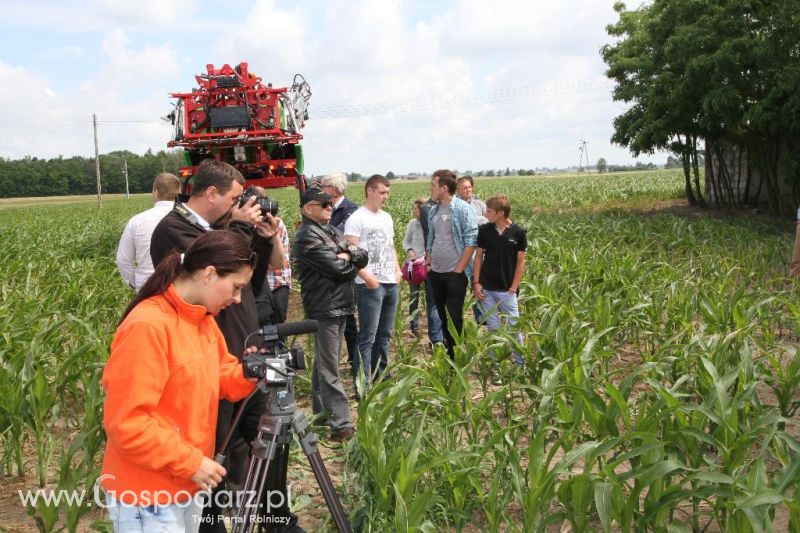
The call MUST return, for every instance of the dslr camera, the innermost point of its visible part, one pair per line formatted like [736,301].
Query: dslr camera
[267,205]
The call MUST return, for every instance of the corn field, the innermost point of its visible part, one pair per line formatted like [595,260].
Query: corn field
[660,390]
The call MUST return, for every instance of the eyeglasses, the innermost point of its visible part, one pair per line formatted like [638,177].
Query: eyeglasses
[323,205]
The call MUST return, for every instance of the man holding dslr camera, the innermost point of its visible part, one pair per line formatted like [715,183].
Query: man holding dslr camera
[214,204]
[327,265]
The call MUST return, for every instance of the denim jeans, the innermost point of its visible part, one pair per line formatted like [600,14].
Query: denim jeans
[434,322]
[377,309]
[497,305]
[176,518]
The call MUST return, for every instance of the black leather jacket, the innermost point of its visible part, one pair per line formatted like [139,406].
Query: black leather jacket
[326,281]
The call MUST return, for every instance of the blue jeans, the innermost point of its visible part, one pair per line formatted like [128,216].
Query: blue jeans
[434,322]
[182,517]
[377,309]
[497,305]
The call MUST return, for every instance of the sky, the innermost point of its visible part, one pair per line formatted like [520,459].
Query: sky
[401,86]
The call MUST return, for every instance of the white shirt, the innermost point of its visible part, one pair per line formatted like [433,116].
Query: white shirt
[375,232]
[133,252]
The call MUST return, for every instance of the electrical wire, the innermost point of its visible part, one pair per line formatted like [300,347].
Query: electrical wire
[411,105]
[498,96]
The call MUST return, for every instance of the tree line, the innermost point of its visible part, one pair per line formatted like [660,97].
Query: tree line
[61,176]
[714,75]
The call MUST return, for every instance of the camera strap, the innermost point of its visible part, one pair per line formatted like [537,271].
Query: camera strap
[188,216]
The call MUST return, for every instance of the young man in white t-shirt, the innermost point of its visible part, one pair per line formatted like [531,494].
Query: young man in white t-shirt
[372,229]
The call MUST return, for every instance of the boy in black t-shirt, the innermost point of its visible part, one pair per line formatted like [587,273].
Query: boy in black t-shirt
[499,265]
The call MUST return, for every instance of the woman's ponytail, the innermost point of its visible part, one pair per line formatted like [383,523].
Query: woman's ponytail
[166,272]
[226,251]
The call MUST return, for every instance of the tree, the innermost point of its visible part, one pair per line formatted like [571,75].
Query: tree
[673,162]
[719,74]
[602,166]
[390,175]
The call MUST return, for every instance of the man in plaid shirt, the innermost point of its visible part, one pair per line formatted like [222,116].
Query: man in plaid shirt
[279,280]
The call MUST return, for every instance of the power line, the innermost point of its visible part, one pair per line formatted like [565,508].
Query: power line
[509,94]
[411,105]
[15,136]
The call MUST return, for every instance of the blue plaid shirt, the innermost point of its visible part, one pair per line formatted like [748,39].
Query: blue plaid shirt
[465,228]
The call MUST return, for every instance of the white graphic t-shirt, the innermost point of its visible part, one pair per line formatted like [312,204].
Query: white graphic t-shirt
[375,232]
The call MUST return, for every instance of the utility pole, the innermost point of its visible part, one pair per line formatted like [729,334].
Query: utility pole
[97,162]
[584,152]
[125,171]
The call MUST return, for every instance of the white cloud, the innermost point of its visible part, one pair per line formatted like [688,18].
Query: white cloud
[59,53]
[352,52]
[95,15]
[129,84]
[144,12]
[272,41]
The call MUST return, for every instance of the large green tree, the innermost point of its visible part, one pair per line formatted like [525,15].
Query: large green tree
[713,75]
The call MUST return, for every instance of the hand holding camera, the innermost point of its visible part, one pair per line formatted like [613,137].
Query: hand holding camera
[246,211]
[254,208]
[268,227]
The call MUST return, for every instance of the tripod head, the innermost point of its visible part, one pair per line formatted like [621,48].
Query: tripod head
[274,364]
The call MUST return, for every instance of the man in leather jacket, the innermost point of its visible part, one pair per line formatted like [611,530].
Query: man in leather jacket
[335,185]
[326,266]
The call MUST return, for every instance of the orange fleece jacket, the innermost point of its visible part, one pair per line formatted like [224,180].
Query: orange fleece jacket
[168,368]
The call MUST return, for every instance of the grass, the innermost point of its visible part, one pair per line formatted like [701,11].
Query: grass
[660,390]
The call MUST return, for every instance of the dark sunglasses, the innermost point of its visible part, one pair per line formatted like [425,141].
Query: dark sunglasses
[323,205]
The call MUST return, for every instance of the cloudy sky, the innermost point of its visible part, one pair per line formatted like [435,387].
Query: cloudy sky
[397,85]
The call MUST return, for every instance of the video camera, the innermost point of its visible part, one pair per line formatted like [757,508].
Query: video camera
[275,363]
[267,205]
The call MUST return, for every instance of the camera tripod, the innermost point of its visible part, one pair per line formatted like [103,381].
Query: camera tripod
[275,433]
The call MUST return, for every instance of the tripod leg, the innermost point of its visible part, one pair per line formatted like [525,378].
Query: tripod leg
[253,490]
[276,482]
[331,498]
[244,515]
[308,443]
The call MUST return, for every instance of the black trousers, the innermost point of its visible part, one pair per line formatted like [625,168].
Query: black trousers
[449,292]
[280,304]
[350,337]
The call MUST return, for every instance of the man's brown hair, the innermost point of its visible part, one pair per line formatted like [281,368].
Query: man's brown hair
[375,180]
[499,203]
[167,186]
[468,178]
[213,173]
[447,178]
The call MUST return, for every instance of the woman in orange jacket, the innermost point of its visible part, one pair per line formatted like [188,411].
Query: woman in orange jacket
[168,368]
